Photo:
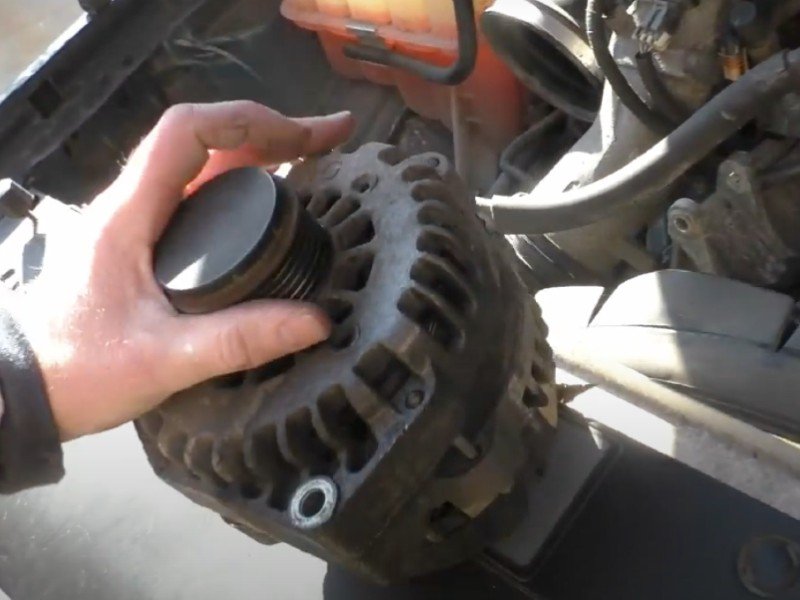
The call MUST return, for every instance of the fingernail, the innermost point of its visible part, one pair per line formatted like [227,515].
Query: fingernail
[341,115]
[304,330]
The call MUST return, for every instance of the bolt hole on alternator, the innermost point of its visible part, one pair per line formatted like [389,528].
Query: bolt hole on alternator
[682,224]
[313,503]
[365,183]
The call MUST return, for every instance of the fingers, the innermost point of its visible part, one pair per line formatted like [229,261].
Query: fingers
[325,133]
[177,150]
[242,337]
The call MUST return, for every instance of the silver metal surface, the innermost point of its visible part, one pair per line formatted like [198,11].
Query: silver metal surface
[313,503]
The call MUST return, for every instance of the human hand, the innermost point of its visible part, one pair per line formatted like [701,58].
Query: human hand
[109,344]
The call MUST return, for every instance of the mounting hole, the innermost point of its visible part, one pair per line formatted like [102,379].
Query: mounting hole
[313,503]
[682,224]
[365,183]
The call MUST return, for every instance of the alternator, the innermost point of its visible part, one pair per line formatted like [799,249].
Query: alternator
[393,448]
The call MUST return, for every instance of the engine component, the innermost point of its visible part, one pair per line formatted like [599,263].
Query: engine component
[577,357]
[661,97]
[485,111]
[241,236]
[589,254]
[734,60]
[598,38]
[544,43]
[754,26]
[672,83]
[720,118]
[453,74]
[746,230]
[682,78]
[783,117]
[727,343]
[393,448]
[655,22]
[532,137]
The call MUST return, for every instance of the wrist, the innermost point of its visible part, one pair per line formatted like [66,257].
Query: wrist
[49,353]
[30,444]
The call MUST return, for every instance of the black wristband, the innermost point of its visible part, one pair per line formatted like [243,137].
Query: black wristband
[30,446]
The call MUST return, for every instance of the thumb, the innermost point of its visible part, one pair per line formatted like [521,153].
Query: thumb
[242,337]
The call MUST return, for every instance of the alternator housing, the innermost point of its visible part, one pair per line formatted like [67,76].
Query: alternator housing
[394,447]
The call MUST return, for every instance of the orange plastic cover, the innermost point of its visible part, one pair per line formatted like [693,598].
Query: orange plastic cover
[424,29]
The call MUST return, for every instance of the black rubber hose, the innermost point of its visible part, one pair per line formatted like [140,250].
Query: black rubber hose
[525,140]
[598,39]
[453,74]
[657,168]
[661,98]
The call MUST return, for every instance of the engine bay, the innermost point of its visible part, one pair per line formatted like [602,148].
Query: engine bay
[646,149]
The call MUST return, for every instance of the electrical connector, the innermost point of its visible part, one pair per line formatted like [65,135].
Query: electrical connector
[656,22]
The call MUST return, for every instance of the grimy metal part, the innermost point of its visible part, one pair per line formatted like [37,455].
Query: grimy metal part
[241,236]
[395,447]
